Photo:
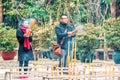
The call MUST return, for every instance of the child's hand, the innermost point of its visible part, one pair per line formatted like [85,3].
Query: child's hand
[28,33]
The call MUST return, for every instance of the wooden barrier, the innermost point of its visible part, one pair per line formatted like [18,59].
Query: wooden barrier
[45,69]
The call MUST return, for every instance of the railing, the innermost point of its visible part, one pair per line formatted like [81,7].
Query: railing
[45,69]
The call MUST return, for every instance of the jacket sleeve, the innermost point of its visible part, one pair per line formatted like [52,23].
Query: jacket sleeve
[60,33]
[19,36]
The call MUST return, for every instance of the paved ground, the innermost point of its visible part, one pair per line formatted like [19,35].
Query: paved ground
[98,70]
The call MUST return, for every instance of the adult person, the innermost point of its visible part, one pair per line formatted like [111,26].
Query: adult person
[64,34]
[24,37]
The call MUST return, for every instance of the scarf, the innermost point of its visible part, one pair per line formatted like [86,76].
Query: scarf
[26,43]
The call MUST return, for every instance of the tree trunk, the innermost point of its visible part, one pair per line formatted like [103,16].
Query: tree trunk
[1,11]
[113,8]
[117,8]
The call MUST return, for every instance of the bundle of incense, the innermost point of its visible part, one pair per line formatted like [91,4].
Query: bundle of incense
[28,32]
[76,30]
[32,23]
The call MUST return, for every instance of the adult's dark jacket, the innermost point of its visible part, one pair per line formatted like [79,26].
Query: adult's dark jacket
[60,32]
[23,54]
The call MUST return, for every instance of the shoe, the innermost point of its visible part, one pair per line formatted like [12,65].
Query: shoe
[23,76]
[65,73]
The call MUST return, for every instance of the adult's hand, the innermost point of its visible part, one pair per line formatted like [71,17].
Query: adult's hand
[70,34]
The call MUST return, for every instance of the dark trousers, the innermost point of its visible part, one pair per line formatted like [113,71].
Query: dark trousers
[25,63]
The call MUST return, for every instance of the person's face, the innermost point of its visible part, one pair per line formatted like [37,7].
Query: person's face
[64,19]
[26,24]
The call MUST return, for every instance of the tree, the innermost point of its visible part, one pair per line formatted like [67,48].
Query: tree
[117,8]
[113,8]
[0,11]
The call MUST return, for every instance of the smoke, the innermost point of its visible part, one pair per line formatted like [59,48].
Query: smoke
[79,27]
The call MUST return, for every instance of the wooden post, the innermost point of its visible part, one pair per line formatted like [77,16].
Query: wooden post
[105,48]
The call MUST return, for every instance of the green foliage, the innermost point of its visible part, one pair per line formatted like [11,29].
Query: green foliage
[88,41]
[7,38]
[105,1]
[79,11]
[11,20]
[112,30]
[43,37]
[6,44]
